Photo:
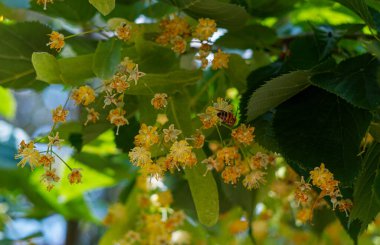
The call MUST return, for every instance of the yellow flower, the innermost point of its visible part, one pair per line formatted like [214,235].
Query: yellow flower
[28,153]
[55,141]
[324,179]
[171,134]
[165,198]
[175,220]
[135,74]
[92,116]
[254,179]
[302,190]
[304,215]
[231,174]
[180,151]
[222,105]
[152,169]
[205,29]
[59,114]
[75,177]
[345,206]
[147,136]
[162,119]
[83,95]
[220,60]
[172,28]
[46,160]
[238,226]
[116,213]
[50,178]
[179,45]
[124,32]
[139,156]
[127,65]
[116,117]
[57,40]
[259,160]
[119,83]
[243,134]
[228,155]
[199,139]
[159,101]
[209,118]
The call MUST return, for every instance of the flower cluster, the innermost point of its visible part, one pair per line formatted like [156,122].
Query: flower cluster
[124,32]
[115,89]
[57,41]
[323,179]
[156,221]
[28,153]
[177,33]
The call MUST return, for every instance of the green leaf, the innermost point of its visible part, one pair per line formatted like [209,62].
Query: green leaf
[316,126]
[256,79]
[216,10]
[17,44]
[252,36]
[169,82]
[265,8]
[47,68]
[376,186]
[203,188]
[107,57]
[360,8]
[103,6]
[366,205]
[70,71]
[354,80]
[8,103]
[71,10]
[276,91]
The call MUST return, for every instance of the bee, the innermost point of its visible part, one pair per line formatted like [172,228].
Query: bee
[227,117]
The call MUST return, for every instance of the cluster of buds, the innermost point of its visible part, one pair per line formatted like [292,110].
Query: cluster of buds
[175,31]
[323,179]
[115,89]
[156,221]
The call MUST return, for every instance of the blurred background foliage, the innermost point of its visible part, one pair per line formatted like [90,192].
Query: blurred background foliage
[267,38]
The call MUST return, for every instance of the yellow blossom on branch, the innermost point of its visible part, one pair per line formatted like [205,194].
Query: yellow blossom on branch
[254,179]
[116,117]
[59,114]
[75,177]
[220,60]
[28,153]
[180,151]
[124,32]
[147,136]
[205,29]
[139,156]
[243,134]
[92,116]
[171,134]
[84,95]
[159,101]
[57,40]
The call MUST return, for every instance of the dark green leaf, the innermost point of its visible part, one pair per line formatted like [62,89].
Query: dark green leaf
[366,205]
[252,36]
[316,126]
[355,80]
[17,44]
[360,8]
[216,10]
[256,79]
[275,92]
[72,10]
[107,57]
